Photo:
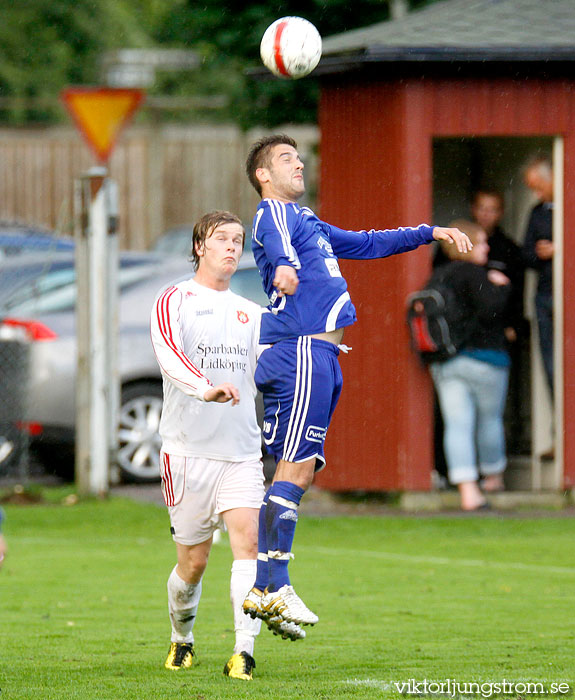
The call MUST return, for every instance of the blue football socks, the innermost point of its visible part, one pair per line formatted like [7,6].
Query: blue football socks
[262,572]
[283,500]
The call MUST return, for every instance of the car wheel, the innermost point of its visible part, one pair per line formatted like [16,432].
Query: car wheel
[138,431]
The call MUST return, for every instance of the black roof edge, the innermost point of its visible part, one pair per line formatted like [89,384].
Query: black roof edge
[331,64]
[468,53]
[327,65]
[507,58]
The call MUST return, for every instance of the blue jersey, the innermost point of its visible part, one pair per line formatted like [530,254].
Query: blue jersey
[287,234]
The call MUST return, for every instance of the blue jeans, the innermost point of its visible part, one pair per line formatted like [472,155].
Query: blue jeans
[472,397]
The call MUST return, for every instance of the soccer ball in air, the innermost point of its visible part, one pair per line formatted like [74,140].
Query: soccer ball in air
[291,47]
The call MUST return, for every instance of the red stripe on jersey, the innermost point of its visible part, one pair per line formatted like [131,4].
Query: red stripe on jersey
[163,314]
[277,49]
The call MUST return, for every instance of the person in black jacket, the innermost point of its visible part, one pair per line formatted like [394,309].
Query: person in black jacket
[472,386]
[487,208]
[538,251]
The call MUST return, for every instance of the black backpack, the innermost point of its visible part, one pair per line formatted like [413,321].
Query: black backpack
[439,321]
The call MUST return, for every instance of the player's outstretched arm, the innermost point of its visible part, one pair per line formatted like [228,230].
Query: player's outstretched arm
[285,280]
[453,235]
[222,393]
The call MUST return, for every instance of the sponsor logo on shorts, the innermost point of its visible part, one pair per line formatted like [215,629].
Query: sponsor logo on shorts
[243,317]
[315,434]
[289,515]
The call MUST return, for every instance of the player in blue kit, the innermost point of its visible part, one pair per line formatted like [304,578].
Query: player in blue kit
[299,374]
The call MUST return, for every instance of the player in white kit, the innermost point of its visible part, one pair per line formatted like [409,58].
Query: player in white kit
[205,339]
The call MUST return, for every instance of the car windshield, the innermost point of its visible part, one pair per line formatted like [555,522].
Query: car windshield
[29,290]
[19,244]
[42,287]
[174,242]
[247,283]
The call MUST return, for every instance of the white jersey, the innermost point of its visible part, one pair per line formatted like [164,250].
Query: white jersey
[203,337]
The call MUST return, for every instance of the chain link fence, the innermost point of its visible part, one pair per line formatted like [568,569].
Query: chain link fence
[14,437]
[19,243]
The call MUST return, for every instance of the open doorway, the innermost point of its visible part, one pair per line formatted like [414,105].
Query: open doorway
[461,166]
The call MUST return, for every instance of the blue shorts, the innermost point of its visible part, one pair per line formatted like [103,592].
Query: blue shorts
[300,379]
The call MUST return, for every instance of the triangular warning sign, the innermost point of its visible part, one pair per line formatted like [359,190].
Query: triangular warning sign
[101,113]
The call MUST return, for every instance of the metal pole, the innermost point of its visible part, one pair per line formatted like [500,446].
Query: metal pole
[96,390]
[81,205]
[558,311]
[398,8]
[113,324]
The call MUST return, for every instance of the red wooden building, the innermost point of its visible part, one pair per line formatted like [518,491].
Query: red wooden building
[397,99]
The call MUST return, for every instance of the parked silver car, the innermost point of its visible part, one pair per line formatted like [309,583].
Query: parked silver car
[175,241]
[21,239]
[37,299]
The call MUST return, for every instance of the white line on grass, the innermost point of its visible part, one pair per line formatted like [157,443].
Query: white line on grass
[442,561]
[415,558]
[369,683]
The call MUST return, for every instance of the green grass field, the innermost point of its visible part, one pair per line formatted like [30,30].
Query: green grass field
[83,611]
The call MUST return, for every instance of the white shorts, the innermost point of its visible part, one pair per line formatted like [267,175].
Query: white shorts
[197,490]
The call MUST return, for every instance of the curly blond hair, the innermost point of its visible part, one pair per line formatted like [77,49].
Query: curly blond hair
[472,229]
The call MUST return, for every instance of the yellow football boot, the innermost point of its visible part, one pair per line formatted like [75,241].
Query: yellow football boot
[180,656]
[240,666]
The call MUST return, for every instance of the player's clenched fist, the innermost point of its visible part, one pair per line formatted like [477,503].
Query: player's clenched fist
[223,393]
[285,280]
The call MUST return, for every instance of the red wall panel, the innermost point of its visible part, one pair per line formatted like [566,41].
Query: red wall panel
[372,443]
[377,172]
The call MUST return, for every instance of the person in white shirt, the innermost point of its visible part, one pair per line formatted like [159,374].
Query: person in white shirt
[205,338]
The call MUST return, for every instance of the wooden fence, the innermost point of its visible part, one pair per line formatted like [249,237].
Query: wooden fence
[167,176]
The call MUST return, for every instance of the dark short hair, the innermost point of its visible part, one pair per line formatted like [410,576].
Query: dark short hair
[260,156]
[206,226]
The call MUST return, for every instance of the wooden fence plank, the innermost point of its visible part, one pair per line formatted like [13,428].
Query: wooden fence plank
[167,176]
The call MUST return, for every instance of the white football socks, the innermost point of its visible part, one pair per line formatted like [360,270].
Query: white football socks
[241,582]
[183,601]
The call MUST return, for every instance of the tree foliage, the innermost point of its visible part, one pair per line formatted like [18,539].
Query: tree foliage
[46,46]
[228,32]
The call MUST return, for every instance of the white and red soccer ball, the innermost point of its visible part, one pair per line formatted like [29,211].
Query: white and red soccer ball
[291,47]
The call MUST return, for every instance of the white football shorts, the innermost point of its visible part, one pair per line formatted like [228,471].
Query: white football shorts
[197,490]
